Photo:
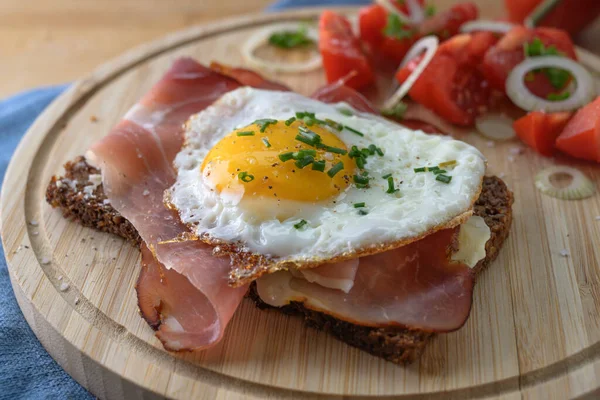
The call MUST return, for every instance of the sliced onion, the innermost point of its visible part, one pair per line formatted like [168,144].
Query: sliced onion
[416,16]
[430,45]
[485,25]
[579,187]
[522,97]
[495,126]
[261,37]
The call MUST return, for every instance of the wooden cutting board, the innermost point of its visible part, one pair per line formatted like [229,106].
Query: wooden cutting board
[534,331]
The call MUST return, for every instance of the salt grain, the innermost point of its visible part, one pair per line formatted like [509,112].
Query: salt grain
[564,253]
[64,287]
[60,278]
[490,144]
[146,192]
[76,300]
[33,223]
[511,158]
[45,261]
[34,233]
[516,151]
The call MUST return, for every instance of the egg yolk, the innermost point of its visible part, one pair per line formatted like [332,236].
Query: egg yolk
[248,161]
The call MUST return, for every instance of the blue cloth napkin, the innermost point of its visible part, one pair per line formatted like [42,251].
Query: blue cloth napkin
[26,370]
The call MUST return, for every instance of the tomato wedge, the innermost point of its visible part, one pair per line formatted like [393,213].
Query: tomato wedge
[540,130]
[447,23]
[341,51]
[581,136]
[570,15]
[452,85]
[508,53]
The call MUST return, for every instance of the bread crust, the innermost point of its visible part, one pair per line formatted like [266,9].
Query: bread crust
[398,345]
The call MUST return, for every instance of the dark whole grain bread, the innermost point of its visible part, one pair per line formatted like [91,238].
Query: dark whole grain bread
[91,208]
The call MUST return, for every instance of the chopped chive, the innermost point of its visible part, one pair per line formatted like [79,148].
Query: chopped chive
[286,156]
[439,171]
[386,176]
[443,178]
[346,111]
[266,142]
[300,224]
[332,149]
[361,179]
[360,162]
[421,169]
[303,162]
[304,114]
[447,164]
[264,123]
[303,153]
[379,151]
[335,169]
[359,205]
[366,152]
[307,136]
[433,169]
[362,212]
[558,96]
[391,187]
[318,165]
[354,152]
[290,121]
[373,149]
[354,130]
[291,39]
[245,133]
[335,125]
[245,177]
[362,185]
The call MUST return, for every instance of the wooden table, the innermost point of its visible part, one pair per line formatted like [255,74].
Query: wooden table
[45,42]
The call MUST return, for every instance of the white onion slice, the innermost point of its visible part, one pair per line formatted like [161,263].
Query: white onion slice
[579,187]
[522,97]
[429,44]
[495,126]
[487,26]
[261,37]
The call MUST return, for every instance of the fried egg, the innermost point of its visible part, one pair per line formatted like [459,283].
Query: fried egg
[300,182]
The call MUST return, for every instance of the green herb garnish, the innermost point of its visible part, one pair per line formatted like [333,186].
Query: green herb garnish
[346,112]
[286,156]
[245,177]
[396,29]
[558,77]
[354,130]
[266,142]
[291,39]
[335,169]
[318,165]
[361,180]
[439,171]
[430,10]
[335,125]
[386,176]
[264,123]
[558,96]
[303,162]
[245,133]
[290,121]
[420,169]
[447,164]
[359,205]
[331,149]
[391,187]
[443,178]
[300,224]
[307,136]
[362,212]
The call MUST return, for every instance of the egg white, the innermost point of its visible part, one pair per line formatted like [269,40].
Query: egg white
[334,227]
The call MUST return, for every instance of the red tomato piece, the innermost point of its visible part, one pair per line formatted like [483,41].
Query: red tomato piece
[452,85]
[447,23]
[570,15]
[341,51]
[508,53]
[372,21]
[581,136]
[540,130]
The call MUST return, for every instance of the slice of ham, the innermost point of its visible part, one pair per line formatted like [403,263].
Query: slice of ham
[248,77]
[136,163]
[337,92]
[415,286]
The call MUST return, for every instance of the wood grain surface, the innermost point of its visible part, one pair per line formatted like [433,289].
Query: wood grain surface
[45,42]
[534,331]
